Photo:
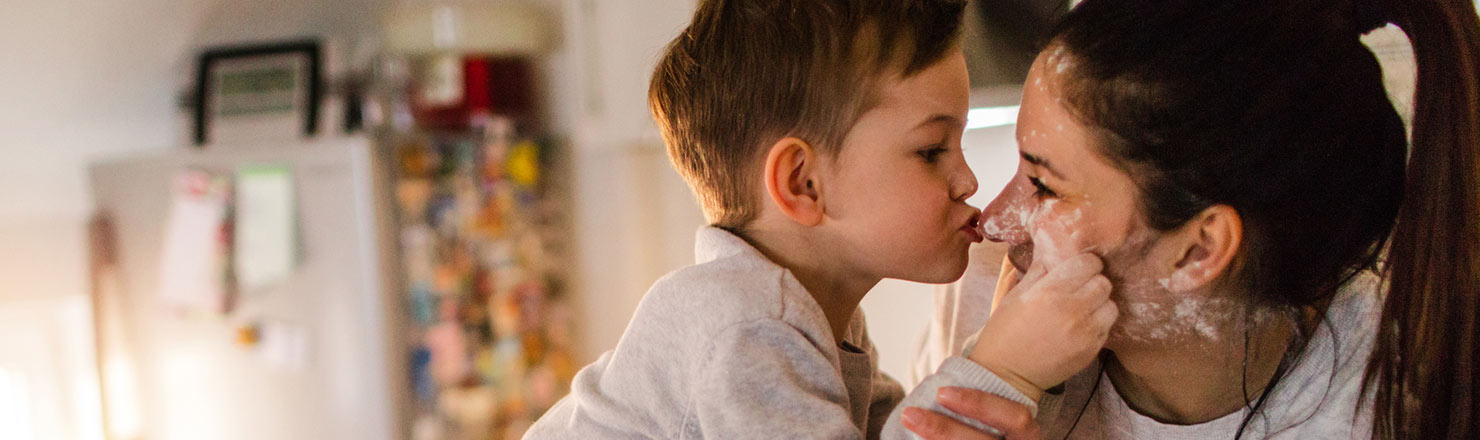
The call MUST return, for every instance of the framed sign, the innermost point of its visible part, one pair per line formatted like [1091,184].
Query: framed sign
[257,93]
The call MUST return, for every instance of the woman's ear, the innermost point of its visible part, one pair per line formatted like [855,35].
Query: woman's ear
[1212,241]
[792,180]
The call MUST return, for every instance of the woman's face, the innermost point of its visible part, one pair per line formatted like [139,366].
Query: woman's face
[1067,199]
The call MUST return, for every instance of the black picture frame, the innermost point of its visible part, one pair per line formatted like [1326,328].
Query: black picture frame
[210,60]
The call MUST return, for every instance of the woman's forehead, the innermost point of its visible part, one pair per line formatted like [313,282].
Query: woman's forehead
[1049,134]
[1044,126]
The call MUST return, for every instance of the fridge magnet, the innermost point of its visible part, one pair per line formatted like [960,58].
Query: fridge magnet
[523,164]
[422,383]
[248,335]
[267,245]
[194,271]
[257,93]
[285,345]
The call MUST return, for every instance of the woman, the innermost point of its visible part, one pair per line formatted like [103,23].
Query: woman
[1242,173]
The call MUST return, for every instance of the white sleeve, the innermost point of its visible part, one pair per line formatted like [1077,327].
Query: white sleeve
[954,372]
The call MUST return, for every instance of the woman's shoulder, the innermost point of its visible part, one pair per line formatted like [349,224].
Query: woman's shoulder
[1358,303]
[1323,392]
[1351,321]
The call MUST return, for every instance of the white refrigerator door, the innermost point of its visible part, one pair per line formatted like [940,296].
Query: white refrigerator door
[190,378]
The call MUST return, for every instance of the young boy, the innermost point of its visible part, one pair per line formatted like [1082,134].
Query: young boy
[822,139]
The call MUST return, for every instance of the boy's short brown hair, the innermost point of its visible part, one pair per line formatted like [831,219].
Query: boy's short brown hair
[746,73]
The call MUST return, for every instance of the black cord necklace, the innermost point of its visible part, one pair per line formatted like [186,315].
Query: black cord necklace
[1099,374]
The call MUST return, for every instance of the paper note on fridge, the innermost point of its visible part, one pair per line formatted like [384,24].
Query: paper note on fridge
[285,345]
[266,226]
[192,273]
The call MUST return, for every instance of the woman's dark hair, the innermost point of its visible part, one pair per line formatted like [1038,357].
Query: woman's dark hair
[1278,110]
[1424,368]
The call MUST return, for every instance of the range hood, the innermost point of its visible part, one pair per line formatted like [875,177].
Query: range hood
[1001,39]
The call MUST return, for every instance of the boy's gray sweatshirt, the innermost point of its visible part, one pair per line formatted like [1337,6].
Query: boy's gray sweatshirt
[735,347]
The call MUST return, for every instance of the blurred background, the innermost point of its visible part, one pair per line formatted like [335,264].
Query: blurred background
[369,219]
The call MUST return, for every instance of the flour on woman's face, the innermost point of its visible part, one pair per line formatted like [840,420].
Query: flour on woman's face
[1152,314]
[1068,199]
[1042,231]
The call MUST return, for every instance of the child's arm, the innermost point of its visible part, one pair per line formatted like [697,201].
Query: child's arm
[956,371]
[1046,328]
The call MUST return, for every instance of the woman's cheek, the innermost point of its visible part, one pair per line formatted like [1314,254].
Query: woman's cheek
[1056,233]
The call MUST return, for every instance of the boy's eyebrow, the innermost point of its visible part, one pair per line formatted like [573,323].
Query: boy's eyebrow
[1039,161]
[941,117]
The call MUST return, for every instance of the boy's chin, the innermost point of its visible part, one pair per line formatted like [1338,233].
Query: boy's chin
[945,273]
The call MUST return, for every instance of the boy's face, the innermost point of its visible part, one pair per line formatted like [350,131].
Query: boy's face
[896,193]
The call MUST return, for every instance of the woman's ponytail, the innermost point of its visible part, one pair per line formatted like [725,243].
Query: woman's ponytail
[1424,368]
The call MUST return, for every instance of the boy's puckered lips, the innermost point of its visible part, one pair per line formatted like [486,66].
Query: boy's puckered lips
[973,228]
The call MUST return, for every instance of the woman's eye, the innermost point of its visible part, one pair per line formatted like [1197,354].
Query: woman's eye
[932,153]
[1041,190]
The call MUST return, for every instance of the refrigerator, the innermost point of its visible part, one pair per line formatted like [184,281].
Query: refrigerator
[393,286]
[317,352]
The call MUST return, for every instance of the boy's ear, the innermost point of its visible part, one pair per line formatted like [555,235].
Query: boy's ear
[792,180]
[1213,240]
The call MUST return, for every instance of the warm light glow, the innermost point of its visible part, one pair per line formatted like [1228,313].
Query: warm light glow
[15,408]
[48,376]
[985,117]
[180,373]
[75,326]
[124,418]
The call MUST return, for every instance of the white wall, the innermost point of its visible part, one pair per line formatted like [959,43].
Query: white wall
[634,218]
[79,79]
[48,388]
[84,79]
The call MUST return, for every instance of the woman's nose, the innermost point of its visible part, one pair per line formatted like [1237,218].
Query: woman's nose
[1006,219]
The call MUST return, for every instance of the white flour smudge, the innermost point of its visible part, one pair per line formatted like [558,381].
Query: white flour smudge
[1174,319]
[1063,65]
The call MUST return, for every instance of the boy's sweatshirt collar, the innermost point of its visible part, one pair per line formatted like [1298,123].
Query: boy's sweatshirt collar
[712,243]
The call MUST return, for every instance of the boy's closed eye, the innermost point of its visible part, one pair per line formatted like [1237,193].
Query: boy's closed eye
[931,153]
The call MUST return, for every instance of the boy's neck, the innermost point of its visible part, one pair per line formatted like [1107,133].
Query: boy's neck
[836,289]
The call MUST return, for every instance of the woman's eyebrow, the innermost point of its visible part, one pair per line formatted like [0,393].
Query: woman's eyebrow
[1039,161]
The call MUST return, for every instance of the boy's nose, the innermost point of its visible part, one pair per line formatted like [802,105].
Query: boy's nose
[963,181]
[1006,219]
[964,186]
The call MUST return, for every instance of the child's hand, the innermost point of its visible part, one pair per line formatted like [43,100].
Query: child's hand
[1049,326]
